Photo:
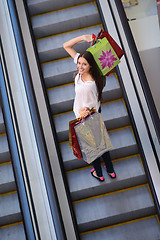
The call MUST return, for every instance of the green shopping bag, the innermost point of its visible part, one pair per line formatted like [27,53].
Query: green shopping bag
[104,55]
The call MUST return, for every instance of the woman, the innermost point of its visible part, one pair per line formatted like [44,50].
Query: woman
[88,88]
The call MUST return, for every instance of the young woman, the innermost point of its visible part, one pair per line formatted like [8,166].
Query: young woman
[88,89]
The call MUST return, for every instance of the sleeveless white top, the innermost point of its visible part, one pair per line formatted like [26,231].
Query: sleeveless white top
[86,94]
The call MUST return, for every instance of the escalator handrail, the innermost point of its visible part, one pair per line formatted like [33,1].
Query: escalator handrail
[50,187]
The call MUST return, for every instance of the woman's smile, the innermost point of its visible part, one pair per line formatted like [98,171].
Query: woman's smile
[83,66]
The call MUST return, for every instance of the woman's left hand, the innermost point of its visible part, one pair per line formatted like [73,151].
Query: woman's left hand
[84,112]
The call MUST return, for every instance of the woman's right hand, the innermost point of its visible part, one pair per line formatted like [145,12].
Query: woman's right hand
[68,46]
[87,38]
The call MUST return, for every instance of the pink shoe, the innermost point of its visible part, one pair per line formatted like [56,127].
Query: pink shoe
[101,179]
[112,175]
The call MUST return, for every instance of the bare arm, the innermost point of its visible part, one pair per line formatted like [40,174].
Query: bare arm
[68,46]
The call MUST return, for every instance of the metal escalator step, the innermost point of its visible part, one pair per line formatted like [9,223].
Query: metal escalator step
[112,90]
[114,115]
[123,142]
[42,6]
[7,181]
[2,127]
[58,72]
[129,173]
[61,72]
[51,48]
[147,229]
[10,212]
[9,209]
[4,150]
[103,212]
[61,98]
[114,208]
[65,20]
[13,232]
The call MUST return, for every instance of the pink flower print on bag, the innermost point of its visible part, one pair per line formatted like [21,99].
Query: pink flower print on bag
[107,59]
[104,55]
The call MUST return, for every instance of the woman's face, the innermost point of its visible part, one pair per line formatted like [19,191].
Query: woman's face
[83,66]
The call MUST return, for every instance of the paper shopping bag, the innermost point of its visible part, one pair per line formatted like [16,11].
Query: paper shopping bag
[113,43]
[104,55]
[73,142]
[92,137]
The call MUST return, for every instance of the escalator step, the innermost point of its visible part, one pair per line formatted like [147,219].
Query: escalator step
[9,209]
[123,142]
[61,102]
[58,72]
[2,127]
[147,229]
[43,6]
[51,48]
[110,209]
[7,181]
[13,232]
[4,150]
[129,173]
[113,202]
[67,20]
[114,115]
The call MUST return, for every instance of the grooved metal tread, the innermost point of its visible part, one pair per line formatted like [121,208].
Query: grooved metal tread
[2,127]
[114,115]
[147,228]
[7,181]
[10,210]
[58,72]
[123,142]
[13,232]
[51,48]
[4,150]
[43,6]
[83,185]
[67,20]
[61,98]
[120,204]
[114,208]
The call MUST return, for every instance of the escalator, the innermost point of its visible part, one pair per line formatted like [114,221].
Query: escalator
[11,221]
[122,208]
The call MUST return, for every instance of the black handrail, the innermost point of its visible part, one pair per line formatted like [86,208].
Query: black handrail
[145,87]
[139,67]
[50,186]
[13,148]
[148,96]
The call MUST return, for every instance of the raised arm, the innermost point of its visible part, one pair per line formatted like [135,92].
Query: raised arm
[68,46]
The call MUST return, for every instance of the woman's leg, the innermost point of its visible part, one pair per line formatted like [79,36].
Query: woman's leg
[107,160]
[109,165]
[97,166]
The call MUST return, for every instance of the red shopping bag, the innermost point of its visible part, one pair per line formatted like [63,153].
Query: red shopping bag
[113,43]
[73,142]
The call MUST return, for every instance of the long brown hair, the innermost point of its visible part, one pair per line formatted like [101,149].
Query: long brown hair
[100,81]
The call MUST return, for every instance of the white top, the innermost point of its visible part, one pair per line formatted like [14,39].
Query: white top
[86,94]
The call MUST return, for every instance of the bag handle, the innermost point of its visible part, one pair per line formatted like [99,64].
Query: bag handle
[80,118]
[95,40]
